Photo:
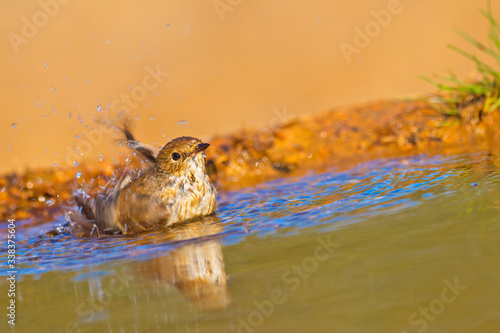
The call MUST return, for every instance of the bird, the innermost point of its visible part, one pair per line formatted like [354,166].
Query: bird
[174,188]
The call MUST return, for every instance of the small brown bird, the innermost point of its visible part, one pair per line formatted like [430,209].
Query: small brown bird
[176,188]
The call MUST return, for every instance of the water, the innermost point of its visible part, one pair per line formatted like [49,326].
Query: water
[402,245]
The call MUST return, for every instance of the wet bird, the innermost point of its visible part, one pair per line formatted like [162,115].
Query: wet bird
[175,188]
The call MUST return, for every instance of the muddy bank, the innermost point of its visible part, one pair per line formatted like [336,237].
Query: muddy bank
[339,137]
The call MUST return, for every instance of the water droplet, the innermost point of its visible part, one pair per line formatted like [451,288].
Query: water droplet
[107,41]
[75,163]
[99,108]
[101,157]
[152,118]
[13,125]
[168,25]
[53,89]
[183,122]
[78,175]
[41,198]
[46,65]
[80,119]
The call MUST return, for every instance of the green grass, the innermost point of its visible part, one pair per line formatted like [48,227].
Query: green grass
[458,93]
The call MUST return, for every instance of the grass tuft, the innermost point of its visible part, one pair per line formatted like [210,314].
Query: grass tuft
[458,93]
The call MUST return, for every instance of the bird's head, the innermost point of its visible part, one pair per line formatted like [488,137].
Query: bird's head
[182,155]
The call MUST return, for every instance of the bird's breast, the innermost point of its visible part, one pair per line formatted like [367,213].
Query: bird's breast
[194,196]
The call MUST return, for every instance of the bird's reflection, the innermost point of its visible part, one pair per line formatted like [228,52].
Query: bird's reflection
[196,269]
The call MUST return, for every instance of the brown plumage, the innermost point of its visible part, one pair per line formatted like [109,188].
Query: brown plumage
[175,188]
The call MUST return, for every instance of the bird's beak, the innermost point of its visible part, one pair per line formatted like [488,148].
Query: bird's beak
[199,148]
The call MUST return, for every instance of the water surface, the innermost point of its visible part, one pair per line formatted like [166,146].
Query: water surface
[391,246]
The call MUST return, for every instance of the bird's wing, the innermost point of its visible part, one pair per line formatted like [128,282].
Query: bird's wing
[138,206]
[149,152]
[138,212]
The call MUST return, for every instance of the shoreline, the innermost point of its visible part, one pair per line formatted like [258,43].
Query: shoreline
[339,137]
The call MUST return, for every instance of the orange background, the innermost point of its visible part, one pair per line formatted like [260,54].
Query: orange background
[250,66]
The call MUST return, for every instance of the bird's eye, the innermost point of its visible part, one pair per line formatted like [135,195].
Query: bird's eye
[176,156]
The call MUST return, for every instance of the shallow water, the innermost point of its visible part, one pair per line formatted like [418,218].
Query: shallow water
[401,245]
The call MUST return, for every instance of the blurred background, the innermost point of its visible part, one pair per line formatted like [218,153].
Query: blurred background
[201,68]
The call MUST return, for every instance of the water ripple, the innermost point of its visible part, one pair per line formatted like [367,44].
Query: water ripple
[331,199]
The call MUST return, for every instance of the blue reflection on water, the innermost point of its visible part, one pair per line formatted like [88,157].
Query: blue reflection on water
[330,199]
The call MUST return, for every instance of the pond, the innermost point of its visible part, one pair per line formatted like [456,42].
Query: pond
[393,245]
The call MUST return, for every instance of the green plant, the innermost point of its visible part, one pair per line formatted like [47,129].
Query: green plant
[458,93]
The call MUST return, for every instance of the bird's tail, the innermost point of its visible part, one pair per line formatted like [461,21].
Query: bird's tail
[81,218]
